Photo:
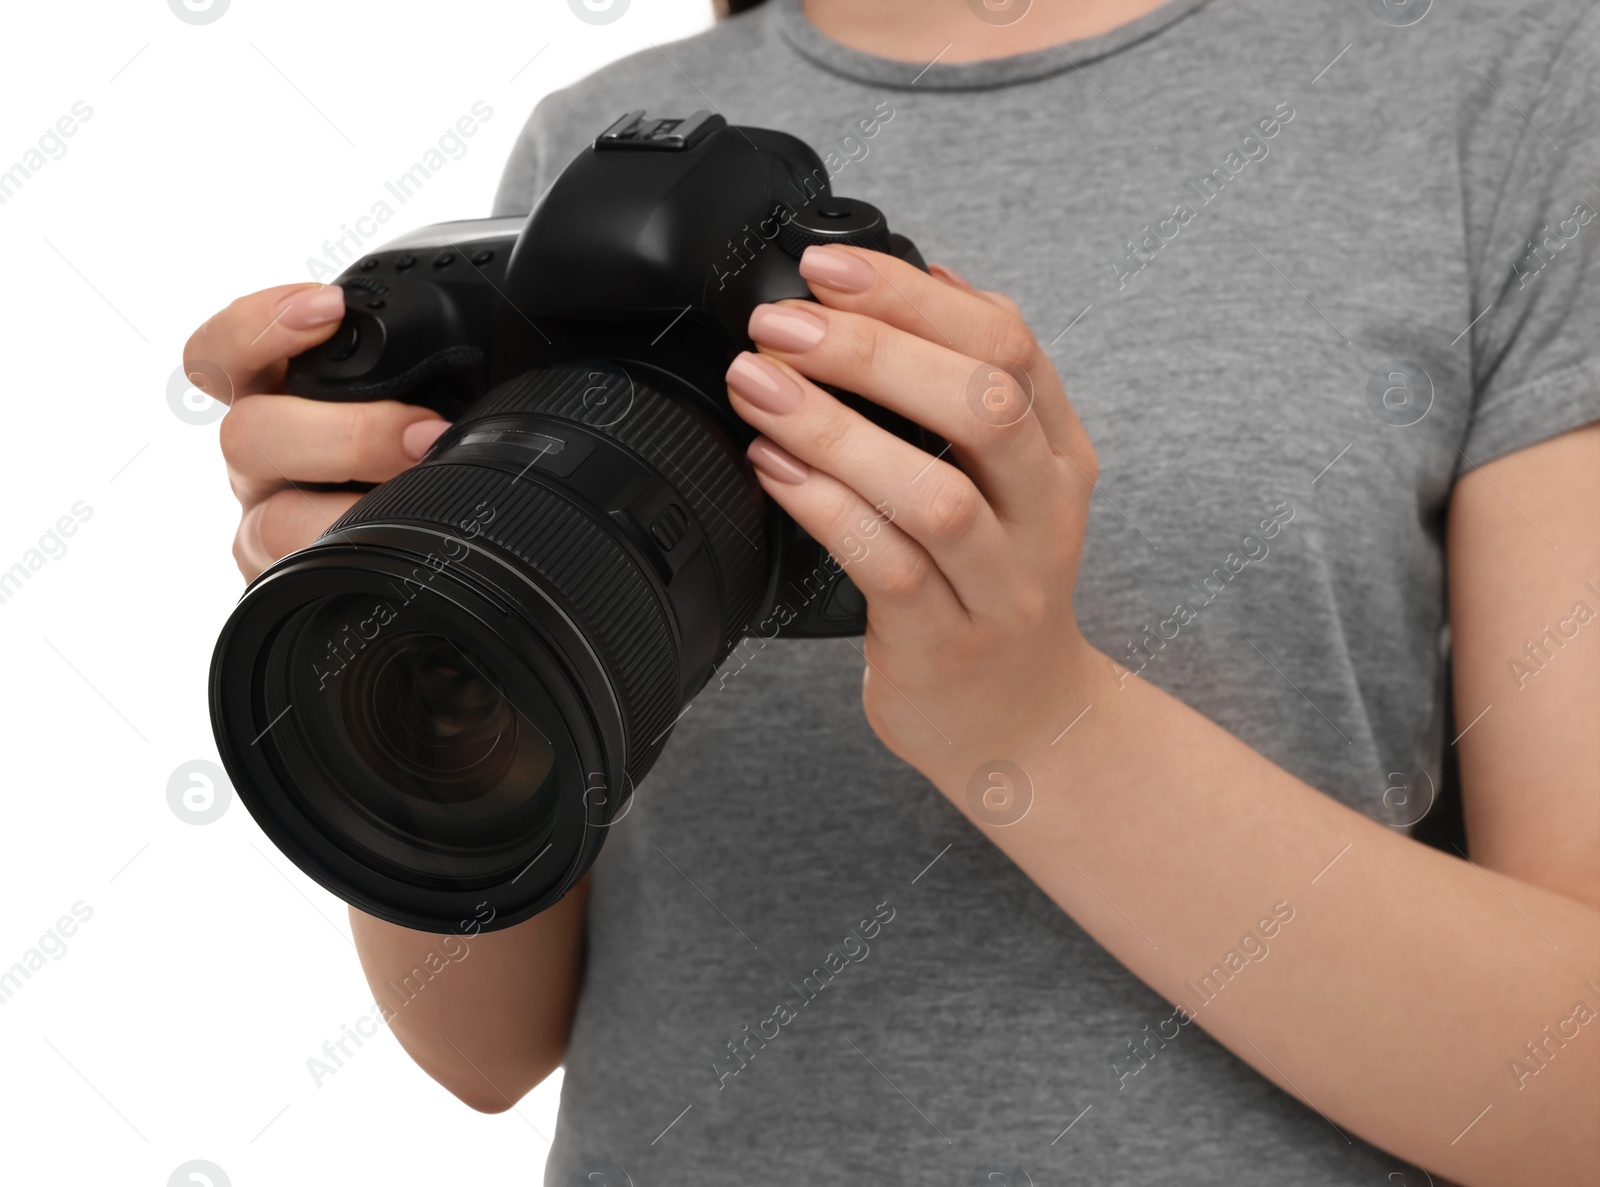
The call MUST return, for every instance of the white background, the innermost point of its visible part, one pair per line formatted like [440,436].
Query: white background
[178,1023]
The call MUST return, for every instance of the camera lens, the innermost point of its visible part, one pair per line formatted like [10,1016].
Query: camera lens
[429,723]
[445,701]
[423,759]
[387,755]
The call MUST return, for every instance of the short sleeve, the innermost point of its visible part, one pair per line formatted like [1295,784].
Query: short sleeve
[1536,344]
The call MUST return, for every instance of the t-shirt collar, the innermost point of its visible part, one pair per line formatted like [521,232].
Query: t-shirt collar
[838,58]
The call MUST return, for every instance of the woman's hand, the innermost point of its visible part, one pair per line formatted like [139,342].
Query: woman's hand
[972,648]
[273,442]
[1158,832]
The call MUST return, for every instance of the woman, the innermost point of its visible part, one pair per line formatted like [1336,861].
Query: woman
[1111,881]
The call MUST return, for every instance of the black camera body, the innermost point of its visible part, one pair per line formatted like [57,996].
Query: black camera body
[647,254]
[438,708]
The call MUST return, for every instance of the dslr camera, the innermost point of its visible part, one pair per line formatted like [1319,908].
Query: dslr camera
[438,708]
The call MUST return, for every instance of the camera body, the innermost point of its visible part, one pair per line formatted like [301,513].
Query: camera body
[647,255]
[439,707]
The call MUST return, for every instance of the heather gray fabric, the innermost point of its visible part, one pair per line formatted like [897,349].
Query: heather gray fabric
[1242,349]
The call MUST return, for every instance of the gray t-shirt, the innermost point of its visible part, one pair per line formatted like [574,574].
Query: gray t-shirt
[1301,265]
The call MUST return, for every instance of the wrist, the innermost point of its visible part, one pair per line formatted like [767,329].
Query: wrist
[1039,731]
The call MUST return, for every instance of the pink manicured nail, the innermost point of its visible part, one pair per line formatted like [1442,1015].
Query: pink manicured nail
[835,268]
[763,384]
[416,439]
[312,308]
[777,464]
[785,327]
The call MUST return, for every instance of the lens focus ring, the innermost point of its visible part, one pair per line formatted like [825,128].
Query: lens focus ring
[687,450]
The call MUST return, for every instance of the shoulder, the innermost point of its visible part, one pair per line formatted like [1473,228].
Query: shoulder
[1474,78]
[1461,46]
[1505,21]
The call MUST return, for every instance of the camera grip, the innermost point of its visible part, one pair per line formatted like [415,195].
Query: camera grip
[407,341]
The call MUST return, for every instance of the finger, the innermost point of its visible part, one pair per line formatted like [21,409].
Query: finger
[907,596]
[950,275]
[929,500]
[244,349]
[982,411]
[986,327]
[285,522]
[270,441]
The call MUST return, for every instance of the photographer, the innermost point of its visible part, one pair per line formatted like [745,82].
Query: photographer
[1086,743]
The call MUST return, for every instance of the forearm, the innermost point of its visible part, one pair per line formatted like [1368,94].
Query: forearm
[1407,981]
[484,1014]
[1396,997]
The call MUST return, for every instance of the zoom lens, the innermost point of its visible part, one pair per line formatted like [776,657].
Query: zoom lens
[445,701]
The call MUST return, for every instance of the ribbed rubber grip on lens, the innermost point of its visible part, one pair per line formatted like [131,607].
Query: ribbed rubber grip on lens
[703,465]
[617,606]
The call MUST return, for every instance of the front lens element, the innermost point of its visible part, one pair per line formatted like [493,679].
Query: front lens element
[432,758]
[428,720]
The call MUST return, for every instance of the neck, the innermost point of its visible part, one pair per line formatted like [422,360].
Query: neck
[919,30]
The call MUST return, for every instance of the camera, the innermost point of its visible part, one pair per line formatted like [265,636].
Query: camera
[438,708]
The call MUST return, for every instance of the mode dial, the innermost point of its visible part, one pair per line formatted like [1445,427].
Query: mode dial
[834,220]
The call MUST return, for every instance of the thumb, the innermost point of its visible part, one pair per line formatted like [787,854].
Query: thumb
[250,341]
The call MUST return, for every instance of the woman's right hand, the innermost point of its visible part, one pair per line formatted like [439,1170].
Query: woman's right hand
[272,442]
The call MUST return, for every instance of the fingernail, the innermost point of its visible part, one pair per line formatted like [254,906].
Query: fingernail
[763,384]
[836,268]
[951,275]
[312,308]
[418,437]
[777,464]
[785,327]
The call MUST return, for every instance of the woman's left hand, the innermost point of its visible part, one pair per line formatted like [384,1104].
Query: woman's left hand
[973,652]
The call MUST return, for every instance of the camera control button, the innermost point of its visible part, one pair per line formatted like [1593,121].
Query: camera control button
[834,220]
[368,264]
[401,263]
[354,349]
[669,527]
[444,259]
[482,257]
[344,343]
